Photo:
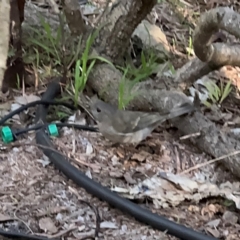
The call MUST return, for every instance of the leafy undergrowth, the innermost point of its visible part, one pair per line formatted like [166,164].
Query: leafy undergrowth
[36,198]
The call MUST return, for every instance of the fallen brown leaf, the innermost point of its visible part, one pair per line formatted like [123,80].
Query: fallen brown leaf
[47,225]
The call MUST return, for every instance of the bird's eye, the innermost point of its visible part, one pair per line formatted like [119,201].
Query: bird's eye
[98,110]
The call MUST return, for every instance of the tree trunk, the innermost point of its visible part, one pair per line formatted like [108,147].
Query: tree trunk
[4,29]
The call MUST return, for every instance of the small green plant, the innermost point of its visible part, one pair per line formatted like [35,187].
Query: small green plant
[171,68]
[61,115]
[46,43]
[133,75]
[228,203]
[52,51]
[217,94]
[125,94]
[82,69]
[54,48]
[189,49]
[147,68]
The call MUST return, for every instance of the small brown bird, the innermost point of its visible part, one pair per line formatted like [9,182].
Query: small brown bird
[122,126]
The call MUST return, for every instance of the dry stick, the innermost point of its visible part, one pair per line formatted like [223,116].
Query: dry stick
[209,162]
[36,84]
[197,134]
[57,235]
[21,220]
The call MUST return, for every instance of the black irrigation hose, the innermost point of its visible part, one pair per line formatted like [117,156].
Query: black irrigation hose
[96,189]
[32,104]
[43,126]
[36,127]
[23,236]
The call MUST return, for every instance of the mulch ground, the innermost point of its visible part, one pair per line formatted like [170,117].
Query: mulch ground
[36,198]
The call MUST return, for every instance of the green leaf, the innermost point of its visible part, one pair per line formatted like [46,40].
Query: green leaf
[207,104]
[226,91]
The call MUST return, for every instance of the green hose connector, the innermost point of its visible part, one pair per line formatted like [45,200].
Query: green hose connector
[53,130]
[7,134]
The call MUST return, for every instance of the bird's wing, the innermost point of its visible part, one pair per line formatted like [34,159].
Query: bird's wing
[127,121]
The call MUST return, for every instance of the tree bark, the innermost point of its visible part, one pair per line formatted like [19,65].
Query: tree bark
[119,39]
[4,30]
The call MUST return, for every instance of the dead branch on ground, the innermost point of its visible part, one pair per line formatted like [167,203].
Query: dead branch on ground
[211,56]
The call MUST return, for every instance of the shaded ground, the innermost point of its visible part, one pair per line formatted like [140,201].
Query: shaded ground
[34,197]
[31,192]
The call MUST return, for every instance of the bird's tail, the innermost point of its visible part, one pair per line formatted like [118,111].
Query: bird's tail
[181,110]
